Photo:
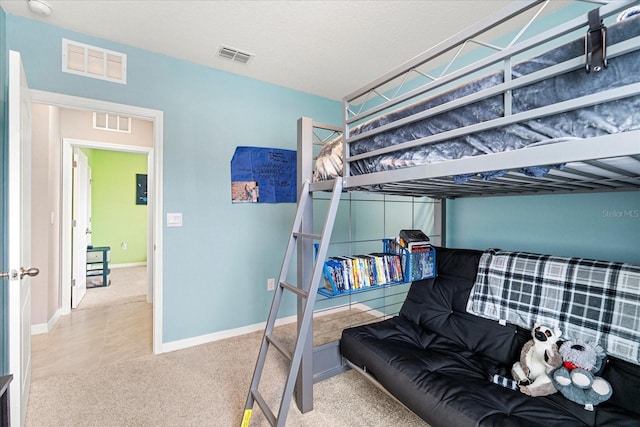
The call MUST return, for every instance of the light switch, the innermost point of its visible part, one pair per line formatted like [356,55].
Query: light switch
[174,219]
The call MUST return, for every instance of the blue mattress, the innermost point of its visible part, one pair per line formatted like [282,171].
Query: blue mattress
[606,118]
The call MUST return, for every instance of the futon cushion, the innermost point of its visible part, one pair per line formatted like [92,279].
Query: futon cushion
[439,305]
[448,385]
[624,378]
[437,359]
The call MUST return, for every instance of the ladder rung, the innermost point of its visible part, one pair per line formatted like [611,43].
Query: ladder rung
[307,235]
[278,345]
[294,289]
[308,291]
[265,408]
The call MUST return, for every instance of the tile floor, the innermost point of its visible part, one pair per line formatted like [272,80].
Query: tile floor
[93,337]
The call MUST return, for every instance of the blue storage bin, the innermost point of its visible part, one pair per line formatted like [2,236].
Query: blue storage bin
[415,265]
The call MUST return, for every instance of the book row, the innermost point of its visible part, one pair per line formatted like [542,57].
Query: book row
[347,273]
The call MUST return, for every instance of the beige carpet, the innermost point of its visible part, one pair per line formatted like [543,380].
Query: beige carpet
[207,386]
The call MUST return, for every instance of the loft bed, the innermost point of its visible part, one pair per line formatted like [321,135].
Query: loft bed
[432,127]
[503,124]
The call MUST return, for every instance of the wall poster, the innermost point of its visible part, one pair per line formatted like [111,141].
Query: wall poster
[263,175]
[141,189]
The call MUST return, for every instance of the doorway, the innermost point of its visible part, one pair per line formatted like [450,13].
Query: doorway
[119,221]
[113,238]
[154,166]
[113,323]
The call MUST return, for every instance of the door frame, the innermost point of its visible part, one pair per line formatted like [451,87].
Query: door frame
[154,173]
[66,212]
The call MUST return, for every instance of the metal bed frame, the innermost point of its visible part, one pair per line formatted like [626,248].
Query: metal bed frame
[604,163]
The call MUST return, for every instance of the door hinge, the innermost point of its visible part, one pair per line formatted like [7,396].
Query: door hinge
[74,223]
[9,275]
[73,283]
[75,163]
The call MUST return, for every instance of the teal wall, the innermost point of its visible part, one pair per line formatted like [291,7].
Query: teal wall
[3,226]
[217,264]
[602,225]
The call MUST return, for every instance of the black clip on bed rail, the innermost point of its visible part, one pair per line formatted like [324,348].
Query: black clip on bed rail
[595,43]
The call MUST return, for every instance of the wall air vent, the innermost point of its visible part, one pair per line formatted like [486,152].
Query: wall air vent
[234,54]
[91,61]
[111,122]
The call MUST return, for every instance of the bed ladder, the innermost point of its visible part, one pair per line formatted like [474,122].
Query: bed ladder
[307,293]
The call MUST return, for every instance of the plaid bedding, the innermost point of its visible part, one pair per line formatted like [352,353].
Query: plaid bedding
[592,301]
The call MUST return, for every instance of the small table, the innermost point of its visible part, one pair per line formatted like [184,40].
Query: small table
[4,400]
[98,266]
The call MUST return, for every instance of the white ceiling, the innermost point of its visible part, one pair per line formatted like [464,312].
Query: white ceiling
[327,48]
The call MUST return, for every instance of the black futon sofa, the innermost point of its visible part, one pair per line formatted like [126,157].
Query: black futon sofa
[437,359]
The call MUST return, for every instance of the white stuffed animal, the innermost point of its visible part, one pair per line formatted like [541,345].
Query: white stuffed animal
[538,358]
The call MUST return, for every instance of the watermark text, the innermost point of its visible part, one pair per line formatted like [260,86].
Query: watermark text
[630,213]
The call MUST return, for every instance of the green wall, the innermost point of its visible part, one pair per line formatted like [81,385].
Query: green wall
[115,216]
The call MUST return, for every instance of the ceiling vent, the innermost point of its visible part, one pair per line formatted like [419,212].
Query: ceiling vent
[233,54]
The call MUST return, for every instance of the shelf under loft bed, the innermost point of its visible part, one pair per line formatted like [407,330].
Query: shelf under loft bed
[394,266]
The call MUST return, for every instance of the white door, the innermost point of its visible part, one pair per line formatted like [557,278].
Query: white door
[80,229]
[19,233]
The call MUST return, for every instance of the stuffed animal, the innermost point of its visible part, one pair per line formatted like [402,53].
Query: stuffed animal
[538,358]
[576,379]
[578,354]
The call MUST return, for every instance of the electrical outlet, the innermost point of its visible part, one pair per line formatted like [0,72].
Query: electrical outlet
[271,284]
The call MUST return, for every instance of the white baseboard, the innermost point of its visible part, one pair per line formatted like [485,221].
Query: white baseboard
[45,328]
[230,333]
[217,336]
[40,328]
[128,264]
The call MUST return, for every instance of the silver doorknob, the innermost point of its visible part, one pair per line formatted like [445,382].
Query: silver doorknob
[31,272]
